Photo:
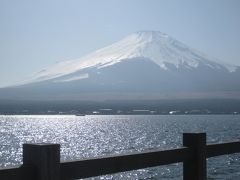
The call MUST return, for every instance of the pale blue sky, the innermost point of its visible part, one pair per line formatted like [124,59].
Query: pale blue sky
[35,34]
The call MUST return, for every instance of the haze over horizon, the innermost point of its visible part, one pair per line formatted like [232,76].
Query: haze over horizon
[35,35]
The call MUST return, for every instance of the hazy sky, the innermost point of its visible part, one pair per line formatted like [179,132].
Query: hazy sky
[35,34]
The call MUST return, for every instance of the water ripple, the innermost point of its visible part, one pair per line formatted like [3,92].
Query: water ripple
[92,136]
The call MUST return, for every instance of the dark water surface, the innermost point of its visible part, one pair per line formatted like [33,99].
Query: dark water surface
[92,136]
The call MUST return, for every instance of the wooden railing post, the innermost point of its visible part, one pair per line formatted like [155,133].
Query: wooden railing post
[195,168]
[45,158]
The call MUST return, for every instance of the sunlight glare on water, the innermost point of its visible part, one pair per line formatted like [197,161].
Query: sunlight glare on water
[92,136]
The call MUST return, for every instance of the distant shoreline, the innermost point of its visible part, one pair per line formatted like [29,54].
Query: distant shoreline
[234,114]
[128,107]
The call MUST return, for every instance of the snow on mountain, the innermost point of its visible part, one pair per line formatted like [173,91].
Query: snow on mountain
[158,47]
[145,65]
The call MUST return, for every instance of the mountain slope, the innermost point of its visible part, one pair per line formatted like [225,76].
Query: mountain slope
[144,62]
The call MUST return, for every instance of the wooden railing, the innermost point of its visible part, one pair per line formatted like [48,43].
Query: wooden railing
[42,161]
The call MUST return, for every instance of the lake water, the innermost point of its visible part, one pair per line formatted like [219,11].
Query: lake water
[92,136]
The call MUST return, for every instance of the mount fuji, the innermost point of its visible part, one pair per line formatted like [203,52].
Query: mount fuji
[145,65]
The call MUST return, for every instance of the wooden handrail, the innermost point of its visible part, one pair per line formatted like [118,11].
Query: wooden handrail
[42,161]
[18,172]
[223,149]
[127,162]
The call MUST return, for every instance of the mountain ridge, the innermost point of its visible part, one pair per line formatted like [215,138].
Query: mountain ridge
[144,63]
[154,45]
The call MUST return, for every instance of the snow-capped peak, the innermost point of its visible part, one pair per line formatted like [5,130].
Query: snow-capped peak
[156,46]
